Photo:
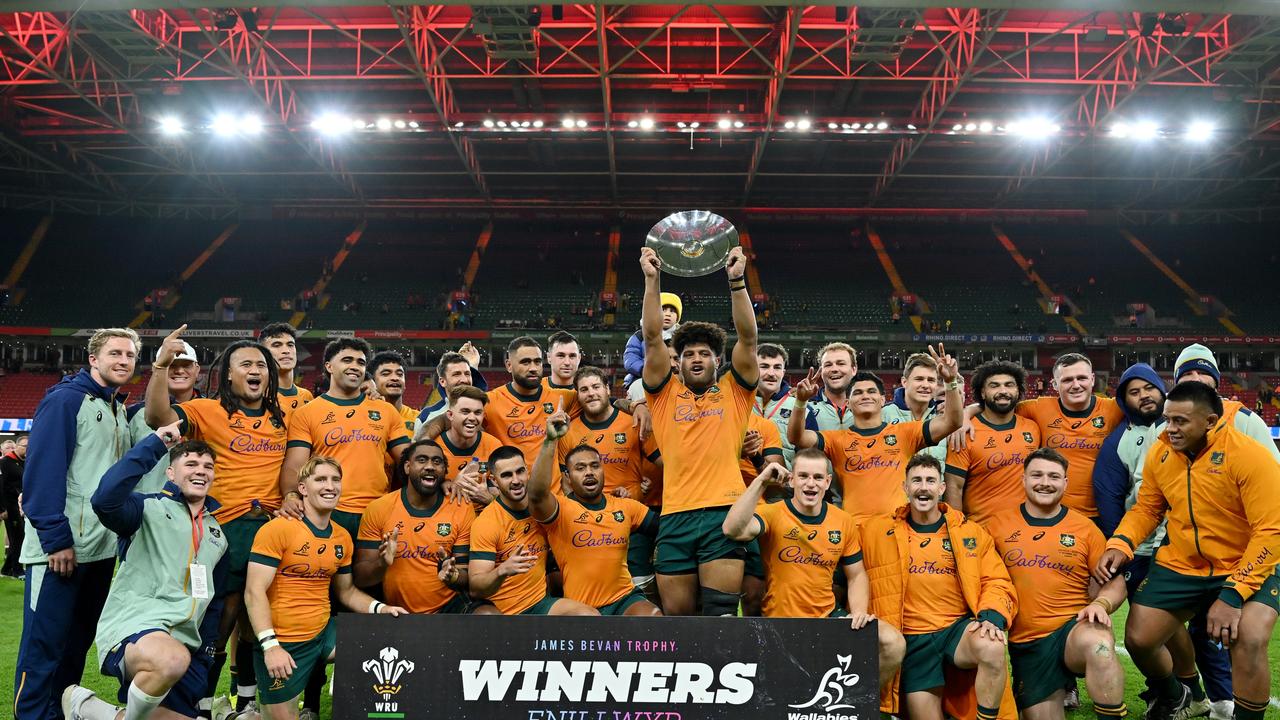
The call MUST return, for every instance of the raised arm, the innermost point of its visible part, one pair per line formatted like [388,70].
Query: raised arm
[744,318]
[952,413]
[114,502]
[657,364]
[542,502]
[741,523]
[158,410]
[804,390]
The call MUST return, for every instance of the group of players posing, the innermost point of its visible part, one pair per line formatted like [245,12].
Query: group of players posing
[691,501]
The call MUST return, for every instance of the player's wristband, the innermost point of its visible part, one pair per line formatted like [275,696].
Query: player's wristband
[272,643]
[374,607]
[1104,603]
[265,634]
[736,286]
[954,385]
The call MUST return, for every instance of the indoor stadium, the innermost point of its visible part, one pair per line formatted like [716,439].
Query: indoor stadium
[313,311]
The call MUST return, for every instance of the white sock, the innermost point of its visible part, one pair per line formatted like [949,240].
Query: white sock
[141,704]
[95,708]
[247,691]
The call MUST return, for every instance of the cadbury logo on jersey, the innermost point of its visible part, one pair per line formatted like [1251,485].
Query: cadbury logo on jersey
[336,436]
[245,443]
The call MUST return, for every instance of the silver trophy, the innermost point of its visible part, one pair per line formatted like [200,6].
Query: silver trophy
[691,243]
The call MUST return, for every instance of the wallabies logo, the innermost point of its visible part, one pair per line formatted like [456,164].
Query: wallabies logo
[619,516]
[970,543]
[1026,437]
[833,537]
[1067,540]
[1098,422]
[443,529]
[374,415]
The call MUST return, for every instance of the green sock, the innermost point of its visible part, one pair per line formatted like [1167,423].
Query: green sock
[1168,687]
[986,713]
[1192,683]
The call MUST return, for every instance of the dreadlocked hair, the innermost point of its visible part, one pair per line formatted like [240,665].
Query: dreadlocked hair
[223,393]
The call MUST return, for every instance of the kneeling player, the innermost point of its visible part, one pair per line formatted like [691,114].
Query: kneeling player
[509,548]
[291,568]
[802,541]
[1060,634]
[589,532]
[415,541]
[938,577]
[159,624]
[1216,487]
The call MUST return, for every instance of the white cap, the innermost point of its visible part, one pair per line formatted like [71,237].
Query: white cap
[188,354]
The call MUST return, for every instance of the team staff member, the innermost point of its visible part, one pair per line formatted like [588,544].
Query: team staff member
[454,369]
[12,465]
[287,592]
[160,622]
[985,476]
[868,457]
[465,443]
[829,410]
[589,531]
[1196,362]
[803,540]
[509,548]
[1063,627]
[699,419]
[282,340]
[414,542]
[344,424]
[1210,482]
[773,394]
[182,375]
[80,430]
[938,578]
[917,398]
[246,424]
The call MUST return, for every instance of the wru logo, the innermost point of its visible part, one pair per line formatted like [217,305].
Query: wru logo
[387,671]
[830,692]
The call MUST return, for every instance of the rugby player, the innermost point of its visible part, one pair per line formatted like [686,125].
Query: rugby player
[387,369]
[282,340]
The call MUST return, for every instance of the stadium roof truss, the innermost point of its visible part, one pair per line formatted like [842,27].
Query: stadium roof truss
[613,107]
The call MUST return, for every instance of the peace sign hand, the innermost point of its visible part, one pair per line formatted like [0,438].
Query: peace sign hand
[948,366]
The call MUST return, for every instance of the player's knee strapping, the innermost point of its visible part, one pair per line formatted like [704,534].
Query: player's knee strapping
[716,603]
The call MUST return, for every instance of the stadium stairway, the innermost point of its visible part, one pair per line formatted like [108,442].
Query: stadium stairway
[1193,297]
[339,258]
[891,271]
[20,263]
[172,294]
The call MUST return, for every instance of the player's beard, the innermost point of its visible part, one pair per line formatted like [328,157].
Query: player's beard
[832,389]
[1149,416]
[999,406]
[423,489]
[526,382]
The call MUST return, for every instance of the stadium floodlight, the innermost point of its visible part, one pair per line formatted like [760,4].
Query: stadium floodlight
[250,125]
[855,126]
[970,127]
[413,124]
[502,123]
[983,127]
[537,123]
[956,127]
[833,126]
[633,124]
[358,124]
[724,123]
[383,124]
[911,127]
[567,123]
[400,124]
[524,123]
[331,124]
[171,125]
[459,125]
[488,123]
[580,123]
[1035,128]
[1120,130]
[1145,130]
[803,124]
[882,125]
[1200,131]
[737,124]
[790,125]
[224,125]
[695,125]
[681,125]
[646,123]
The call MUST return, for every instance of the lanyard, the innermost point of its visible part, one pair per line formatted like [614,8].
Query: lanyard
[773,412]
[197,533]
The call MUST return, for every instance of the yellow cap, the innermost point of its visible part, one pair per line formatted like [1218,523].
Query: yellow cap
[673,300]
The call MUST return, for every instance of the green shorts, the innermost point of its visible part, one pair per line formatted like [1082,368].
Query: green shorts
[754,565]
[349,521]
[457,606]
[640,555]
[240,533]
[922,665]
[542,607]
[1040,667]
[306,654]
[1169,590]
[619,607]
[693,537]
[838,613]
